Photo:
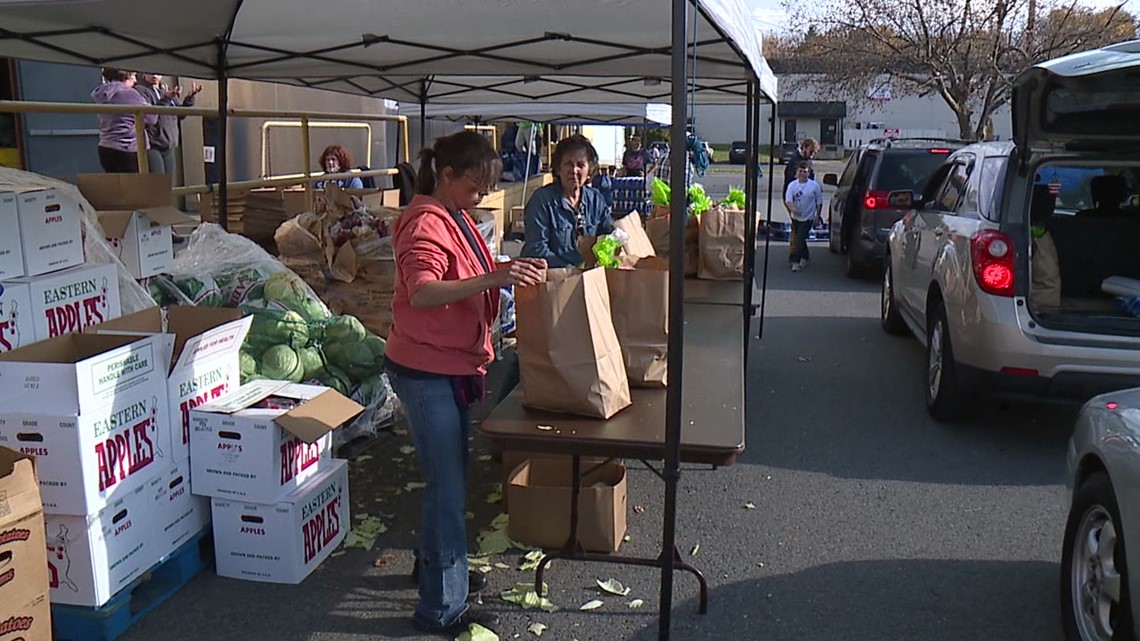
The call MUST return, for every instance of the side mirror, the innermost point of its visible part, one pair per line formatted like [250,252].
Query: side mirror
[831,179]
[902,199]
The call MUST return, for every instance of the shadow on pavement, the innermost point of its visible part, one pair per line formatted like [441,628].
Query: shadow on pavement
[879,601]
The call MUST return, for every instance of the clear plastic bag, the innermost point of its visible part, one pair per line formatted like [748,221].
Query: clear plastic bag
[133,297]
[222,269]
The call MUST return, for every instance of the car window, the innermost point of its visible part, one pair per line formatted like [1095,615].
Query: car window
[907,170]
[849,171]
[989,186]
[866,167]
[934,184]
[954,189]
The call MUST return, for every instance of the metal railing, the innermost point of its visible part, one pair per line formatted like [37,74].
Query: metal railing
[304,119]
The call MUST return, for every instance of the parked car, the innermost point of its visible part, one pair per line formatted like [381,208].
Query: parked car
[859,216]
[1098,592]
[971,270]
[787,151]
[738,152]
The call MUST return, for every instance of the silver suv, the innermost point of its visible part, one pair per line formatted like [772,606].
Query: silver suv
[1018,266]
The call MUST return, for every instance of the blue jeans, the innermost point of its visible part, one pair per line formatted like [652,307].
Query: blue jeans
[439,429]
[800,231]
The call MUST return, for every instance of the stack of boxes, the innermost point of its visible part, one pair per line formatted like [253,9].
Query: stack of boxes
[263,456]
[46,290]
[24,606]
[92,410]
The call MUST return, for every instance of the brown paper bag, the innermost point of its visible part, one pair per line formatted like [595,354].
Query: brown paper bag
[639,302]
[721,243]
[638,244]
[658,231]
[569,356]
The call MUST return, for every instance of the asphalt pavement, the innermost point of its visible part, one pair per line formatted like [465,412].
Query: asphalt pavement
[868,521]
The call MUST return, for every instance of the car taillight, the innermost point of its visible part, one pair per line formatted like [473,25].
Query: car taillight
[993,259]
[938,150]
[875,199]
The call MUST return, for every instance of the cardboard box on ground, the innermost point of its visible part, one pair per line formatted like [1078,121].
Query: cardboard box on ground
[264,440]
[205,367]
[136,214]
[93,411]
[284,541]
[539,492]
[24,579]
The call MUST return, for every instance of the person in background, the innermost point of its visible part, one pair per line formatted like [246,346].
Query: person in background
[439,345]
[805,153]
[560,214]
[335,159]
[163,135]
[118,144]
[804,201]
[635,161]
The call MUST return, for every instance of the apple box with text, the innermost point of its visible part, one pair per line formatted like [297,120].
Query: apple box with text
[50,231]
[206,366]
[11,252]
[285,541]
[90,558]
[264,439]
[179,515]
[70,300]
[23,569]
[16,327]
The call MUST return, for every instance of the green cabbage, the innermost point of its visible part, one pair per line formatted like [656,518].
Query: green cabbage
[282,363]
[345,329]
[312,363]
[248,365]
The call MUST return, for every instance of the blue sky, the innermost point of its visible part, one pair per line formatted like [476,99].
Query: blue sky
[772,15]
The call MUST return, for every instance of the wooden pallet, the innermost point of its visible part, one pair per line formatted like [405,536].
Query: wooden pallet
[153,588]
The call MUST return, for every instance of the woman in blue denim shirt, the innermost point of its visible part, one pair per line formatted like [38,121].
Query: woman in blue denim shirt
[561,213]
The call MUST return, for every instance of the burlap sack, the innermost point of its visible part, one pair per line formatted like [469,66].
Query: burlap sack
[1045,284]
[721,242]
[569,356]
[639,303]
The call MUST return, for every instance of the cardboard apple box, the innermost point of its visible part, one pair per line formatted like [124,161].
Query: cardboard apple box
[252,445]
[207,343]
[178,514]
[50,231]
[16,327]
[90,558]
[136,215]
[283,542]
[93,411]
[70,300]
[11,252]
[23,569]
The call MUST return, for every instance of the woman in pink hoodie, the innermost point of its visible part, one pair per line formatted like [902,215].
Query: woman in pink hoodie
[117,141]
[439,345]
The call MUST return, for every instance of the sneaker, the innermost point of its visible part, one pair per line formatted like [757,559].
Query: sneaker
[804,262]
[488,620]
[795,267]
[476,581]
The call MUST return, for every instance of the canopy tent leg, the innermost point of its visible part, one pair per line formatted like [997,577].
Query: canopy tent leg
[221,149]
[768,236]
[671,471]
[750,192]
[423,114]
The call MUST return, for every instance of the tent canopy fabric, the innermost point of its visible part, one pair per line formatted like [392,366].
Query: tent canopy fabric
[425,51]
[655,114]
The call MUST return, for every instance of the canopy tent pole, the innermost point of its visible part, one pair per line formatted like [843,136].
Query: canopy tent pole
[768,236]
[526,172]
[751,189]
[671,472]
[221,149]
[423,113]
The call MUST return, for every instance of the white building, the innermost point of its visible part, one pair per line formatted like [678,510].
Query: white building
[838,124]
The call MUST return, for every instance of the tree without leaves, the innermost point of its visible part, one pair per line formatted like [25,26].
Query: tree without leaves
[966,51]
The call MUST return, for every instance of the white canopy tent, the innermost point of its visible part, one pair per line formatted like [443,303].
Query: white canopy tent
[445,52]
[428,51]
[656,114]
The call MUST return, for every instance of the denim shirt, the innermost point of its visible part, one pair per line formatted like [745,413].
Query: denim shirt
[552,226]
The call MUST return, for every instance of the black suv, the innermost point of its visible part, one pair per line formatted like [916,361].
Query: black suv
[738,152]
[787,151]
[859,216]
